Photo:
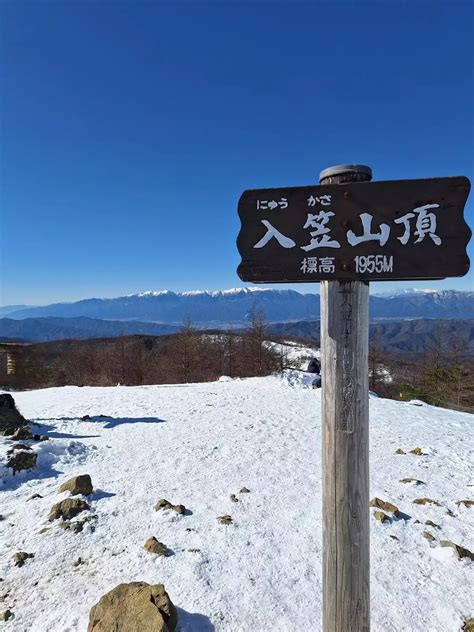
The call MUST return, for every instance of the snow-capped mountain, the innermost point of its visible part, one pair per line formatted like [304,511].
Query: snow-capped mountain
[233,306]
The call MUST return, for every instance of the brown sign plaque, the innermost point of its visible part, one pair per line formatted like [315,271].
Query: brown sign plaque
[371,231]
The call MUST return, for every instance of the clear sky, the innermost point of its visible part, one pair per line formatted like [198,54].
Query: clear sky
[130,129]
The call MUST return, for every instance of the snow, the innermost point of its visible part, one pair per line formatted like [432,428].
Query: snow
[197,444]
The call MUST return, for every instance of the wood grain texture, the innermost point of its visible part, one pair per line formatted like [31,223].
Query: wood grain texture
[345,456]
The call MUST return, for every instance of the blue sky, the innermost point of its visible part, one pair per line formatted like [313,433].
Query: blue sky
[130,129]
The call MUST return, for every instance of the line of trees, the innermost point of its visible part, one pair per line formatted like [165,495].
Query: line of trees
[187,356]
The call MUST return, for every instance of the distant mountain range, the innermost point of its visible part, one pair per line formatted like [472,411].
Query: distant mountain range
[412,336]
[80,328]
[214,309]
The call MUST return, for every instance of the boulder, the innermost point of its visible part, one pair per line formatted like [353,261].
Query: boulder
[399,451]
[417,451]
[428,536]
[20,558]
[416,481]
[22,460]
[134,607]
[10,418]
[244,490]
[234,498]
[81,484]
[165,504]
[67,509]
[20,433]
[153,546]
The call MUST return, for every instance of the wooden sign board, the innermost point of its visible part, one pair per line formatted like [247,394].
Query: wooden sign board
[367,231]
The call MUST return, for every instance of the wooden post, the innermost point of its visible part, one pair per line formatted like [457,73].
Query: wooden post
[345,442]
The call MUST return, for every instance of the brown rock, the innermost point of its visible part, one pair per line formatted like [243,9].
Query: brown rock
[416,452]
[466,503]
[430,523]
[81,484]
[412,480]
[22,461]
[76,526]
[6,615]
[20,446]
[382,504]
[225,519]
[426,501]
[244,490]
[381,516]
[134,607]
[428,536]
[461,552]
[67,509]
[165,504]
[399,451]
[21,433]
[153,546]
[21,557]
[468,625]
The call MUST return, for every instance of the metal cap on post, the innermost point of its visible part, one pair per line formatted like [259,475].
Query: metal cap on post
[340,174]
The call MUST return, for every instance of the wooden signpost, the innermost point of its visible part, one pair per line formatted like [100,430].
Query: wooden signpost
[344,233]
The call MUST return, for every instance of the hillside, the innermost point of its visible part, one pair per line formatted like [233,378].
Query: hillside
[397,337]
[197,445]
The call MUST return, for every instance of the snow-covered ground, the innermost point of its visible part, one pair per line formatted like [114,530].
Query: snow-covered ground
[198,444]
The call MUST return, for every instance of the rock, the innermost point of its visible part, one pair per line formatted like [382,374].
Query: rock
[38,437]
[394,537]
[44,530]
[428,536]
[412,480]
[426,501]
[67,509]
[78,562]
[399,451]
[75,527]
[430,523]
[194,550]
[416,452]
[6,615]
[381,516]
[234,498]
[21,433]
[225,519]
[153,546]
[22,461]
[165,504]
[460,551]
[80,484]
[86,418]
[19,446]
[134,607]
[244,490]
[382,504]
[34,497]
[468,625]
[10,418]
[466,503]
[21,557]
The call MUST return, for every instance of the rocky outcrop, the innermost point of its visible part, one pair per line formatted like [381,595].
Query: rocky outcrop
[10,418]
[134,607]
[81,484]
[67,509]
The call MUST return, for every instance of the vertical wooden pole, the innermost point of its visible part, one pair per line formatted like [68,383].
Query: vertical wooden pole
[345,442]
